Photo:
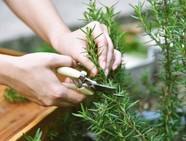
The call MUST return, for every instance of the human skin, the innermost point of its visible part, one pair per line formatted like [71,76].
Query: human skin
[27,73]
[32,75]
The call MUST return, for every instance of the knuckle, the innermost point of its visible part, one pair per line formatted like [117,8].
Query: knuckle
[80,99]
[51,58]
[102,52]
[104,26]
[48,102]
[102,41]
[70,60]
[93,67]
[86,62]
[56,93]
[64,94]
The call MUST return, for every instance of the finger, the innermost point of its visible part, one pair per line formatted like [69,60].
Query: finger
[71,96]
[68,80]
[117,59]
[57,91]
[101,43]
[88,64]
[63,78]
[110,51]
[61,103]
[57,60]
[82,90]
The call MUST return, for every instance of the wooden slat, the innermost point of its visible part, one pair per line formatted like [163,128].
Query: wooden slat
[10,52]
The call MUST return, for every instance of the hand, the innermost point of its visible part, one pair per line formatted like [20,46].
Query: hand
[32,76]
[70,43]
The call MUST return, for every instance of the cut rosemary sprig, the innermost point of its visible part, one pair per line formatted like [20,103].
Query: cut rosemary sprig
[11,95]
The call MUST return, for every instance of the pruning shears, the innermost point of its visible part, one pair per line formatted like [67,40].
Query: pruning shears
[83,83]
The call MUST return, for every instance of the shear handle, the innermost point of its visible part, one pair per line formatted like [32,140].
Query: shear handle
[73,73]
[69,72]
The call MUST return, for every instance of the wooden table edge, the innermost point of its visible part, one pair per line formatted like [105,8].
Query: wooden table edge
[37,120]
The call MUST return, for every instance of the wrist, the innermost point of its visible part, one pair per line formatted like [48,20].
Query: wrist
[56,37]
[6,65]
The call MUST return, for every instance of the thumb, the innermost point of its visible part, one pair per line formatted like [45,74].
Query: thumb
[57,60]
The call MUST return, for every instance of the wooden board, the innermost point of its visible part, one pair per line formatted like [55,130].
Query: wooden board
[16,119]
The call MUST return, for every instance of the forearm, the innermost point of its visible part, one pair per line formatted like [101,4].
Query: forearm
[40,15]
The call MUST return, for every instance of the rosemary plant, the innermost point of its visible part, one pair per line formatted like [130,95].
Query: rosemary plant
[168,16]
[111,116]
[37,136]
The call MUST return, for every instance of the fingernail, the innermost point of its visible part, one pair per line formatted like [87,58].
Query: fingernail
[114,67]
[94,71]
[104,65]
[106,72]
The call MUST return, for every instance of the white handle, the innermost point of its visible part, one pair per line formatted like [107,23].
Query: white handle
[69,72]
[73,73]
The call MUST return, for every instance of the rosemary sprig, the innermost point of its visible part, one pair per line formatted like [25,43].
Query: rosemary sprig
[37,136]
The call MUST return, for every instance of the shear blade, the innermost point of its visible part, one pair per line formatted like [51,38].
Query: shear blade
[104,89]
[98,87]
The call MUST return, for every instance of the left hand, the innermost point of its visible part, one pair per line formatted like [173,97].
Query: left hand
[70,43]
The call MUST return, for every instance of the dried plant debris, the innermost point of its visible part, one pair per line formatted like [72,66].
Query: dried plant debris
[11,95]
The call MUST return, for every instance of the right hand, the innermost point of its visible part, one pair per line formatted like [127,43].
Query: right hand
[32,76]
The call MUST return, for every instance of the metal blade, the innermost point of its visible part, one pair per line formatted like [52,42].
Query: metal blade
[104,89]
[99,87]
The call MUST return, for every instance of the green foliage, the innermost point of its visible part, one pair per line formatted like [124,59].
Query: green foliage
[106,16]
[13,96]
[168,16]
[135,47]
[44,47]
[111,116]
[37,136]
